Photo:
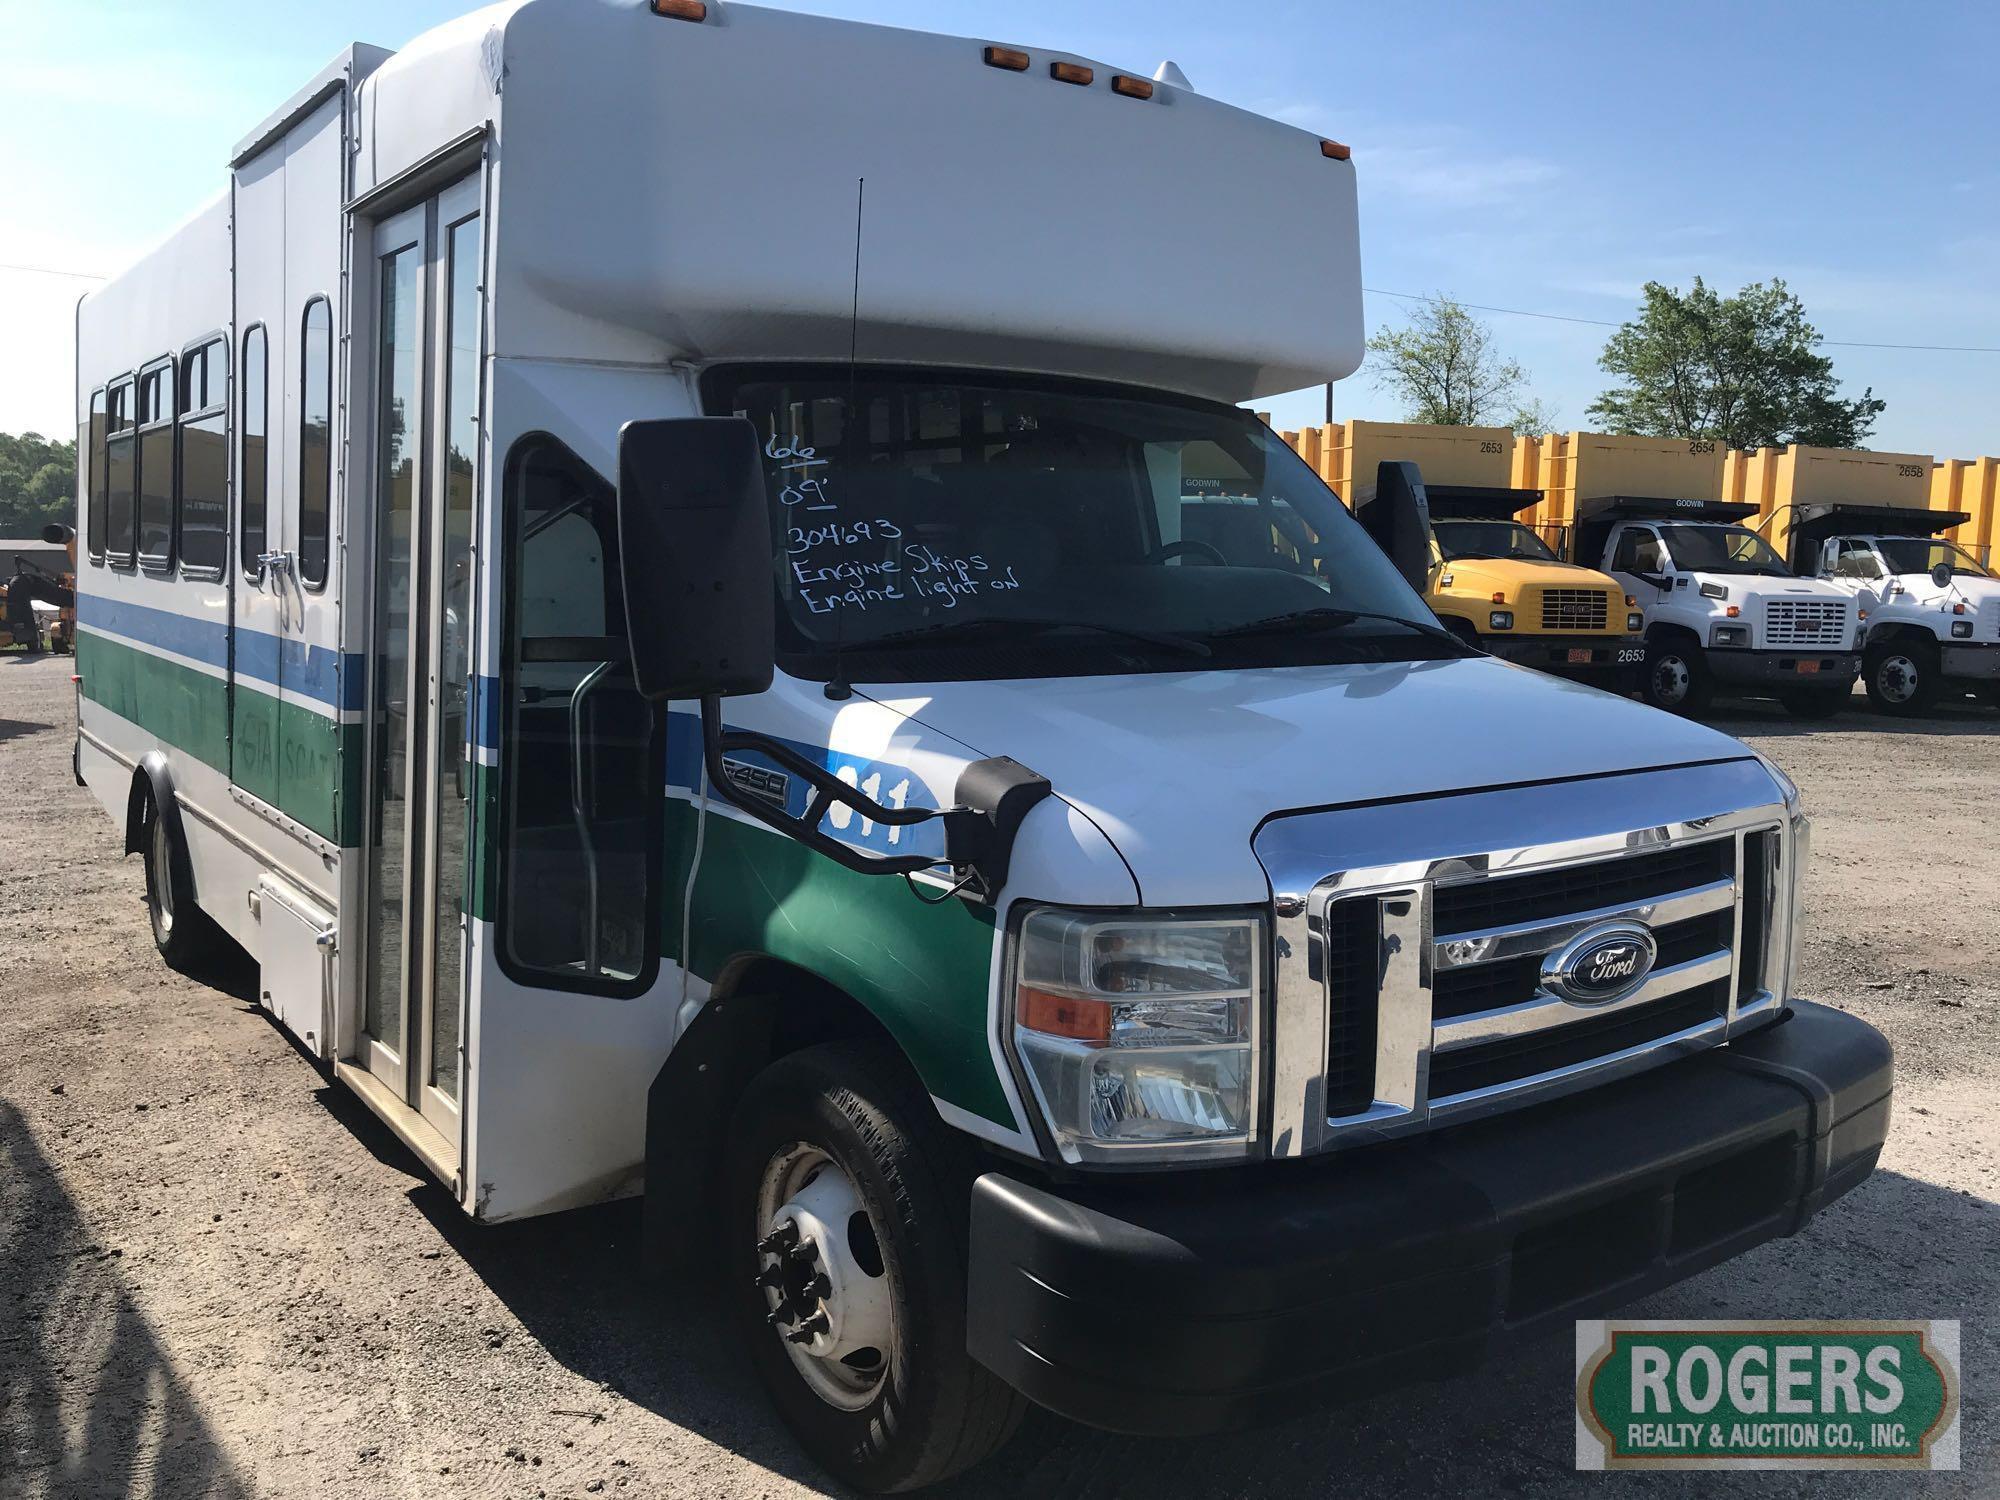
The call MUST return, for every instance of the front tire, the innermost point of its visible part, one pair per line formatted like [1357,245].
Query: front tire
[1903,677]
[1677,678]
[843,1248]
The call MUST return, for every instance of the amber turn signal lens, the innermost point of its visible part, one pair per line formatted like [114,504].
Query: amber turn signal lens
[1334,150]
[1008,58]
[681,10]
[1734,611]
[1062,1015]
[1130,87]
[1063,72]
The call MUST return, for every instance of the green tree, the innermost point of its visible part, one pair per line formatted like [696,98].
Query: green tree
[1741,370]
[1445,369]
[37,484]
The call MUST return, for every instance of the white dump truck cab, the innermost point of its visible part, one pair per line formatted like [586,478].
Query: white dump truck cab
[1723,612]
[1932,609]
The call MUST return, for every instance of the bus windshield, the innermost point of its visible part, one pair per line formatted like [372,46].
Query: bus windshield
[1722,549]
[1909,554]
[1460,541]
[949,525]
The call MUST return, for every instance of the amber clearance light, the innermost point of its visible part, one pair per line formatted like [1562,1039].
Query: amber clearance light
[1012,59]
[1130,87]
[1334,151]
[681,10]
[1068,72]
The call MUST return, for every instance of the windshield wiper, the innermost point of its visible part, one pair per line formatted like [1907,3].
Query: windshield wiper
[1009,625]
[1328,617]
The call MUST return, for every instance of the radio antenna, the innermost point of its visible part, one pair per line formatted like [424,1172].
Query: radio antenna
[836,687]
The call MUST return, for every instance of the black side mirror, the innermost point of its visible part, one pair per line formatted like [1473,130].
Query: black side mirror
[694,548]
[1399,519]
[58,535]
[1941,575]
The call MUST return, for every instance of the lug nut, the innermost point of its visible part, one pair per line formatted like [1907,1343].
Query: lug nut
[818,1287]
[782,1313]
[807,1331]
[771,1276]
[781,1239]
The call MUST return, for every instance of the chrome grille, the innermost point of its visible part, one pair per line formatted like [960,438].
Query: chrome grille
[1805,622]
[1575,609]
[1410,985]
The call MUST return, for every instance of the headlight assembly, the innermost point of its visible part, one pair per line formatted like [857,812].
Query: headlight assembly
[1139,1033]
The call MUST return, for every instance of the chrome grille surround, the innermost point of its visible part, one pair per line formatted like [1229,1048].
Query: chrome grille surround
[1400,855]
[1820,623]
[1575,609]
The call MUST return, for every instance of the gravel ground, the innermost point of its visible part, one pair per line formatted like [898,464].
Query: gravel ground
[220,1277]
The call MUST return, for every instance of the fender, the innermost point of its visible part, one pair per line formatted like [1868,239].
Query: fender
[687,1111]
[154,778]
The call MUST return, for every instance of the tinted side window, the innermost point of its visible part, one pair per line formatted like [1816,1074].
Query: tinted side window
[203,537]
[580,766]
[254,462]
[156,465]
[315,441]
[121,473]
[92,470]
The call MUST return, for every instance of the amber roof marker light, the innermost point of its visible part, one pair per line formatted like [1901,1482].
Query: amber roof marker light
[1011,58]
[1069,72]
[681,10]
[1334,151]
[1130,87]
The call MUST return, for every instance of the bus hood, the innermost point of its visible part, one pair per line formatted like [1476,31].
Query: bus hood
[1178,769]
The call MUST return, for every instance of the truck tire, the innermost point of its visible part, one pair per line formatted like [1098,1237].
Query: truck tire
[1902,677]
[181,930]
[1817,703]
[1677,677]
[845,1211]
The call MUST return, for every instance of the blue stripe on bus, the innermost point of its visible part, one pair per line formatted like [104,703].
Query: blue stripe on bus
[317,672]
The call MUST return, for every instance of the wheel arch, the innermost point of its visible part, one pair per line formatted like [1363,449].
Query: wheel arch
[153,786]
[1899,633]
[1667,631]
[760,1008]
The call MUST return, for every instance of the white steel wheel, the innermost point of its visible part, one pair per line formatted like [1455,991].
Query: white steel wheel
[1671,680]
[160,880]
[820,1268]
[1897,678]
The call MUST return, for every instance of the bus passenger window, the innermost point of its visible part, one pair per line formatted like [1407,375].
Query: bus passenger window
[96,476]
[315,442]
[121,473]
[202,538]
[582,767]
[156,465]
[253,461]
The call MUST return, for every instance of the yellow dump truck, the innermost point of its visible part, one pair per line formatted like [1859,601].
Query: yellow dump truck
[1493,579]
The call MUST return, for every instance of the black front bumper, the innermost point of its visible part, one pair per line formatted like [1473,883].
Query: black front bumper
[1780,669]
[1551,653]
[1212,1300]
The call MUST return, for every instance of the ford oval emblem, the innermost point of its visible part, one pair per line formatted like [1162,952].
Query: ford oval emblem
[1600,964]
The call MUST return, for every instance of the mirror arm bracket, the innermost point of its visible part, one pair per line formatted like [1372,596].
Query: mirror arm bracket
[994,796]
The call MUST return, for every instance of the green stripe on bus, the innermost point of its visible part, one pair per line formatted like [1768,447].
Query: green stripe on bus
[922,967]
[301,762]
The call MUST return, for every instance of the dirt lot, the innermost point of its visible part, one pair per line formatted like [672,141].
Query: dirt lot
[219,1277]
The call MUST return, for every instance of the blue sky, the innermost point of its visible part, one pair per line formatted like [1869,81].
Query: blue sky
[1548,156]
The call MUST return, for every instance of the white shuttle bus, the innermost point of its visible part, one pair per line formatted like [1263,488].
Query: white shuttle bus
[693,584]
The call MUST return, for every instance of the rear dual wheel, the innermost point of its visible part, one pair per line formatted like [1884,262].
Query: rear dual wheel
[844,1253]
[181,930]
